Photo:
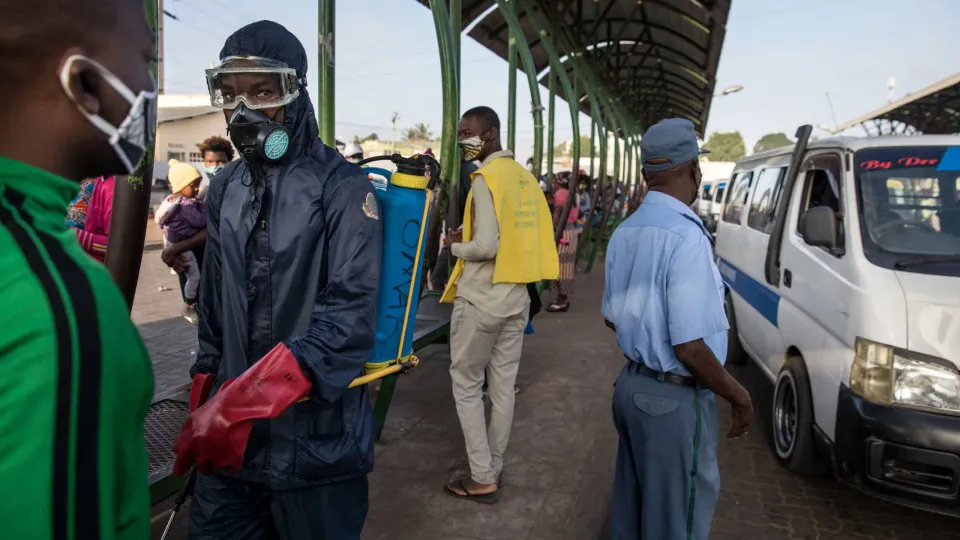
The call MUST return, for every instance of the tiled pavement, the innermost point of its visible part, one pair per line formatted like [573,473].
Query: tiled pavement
[171,340]
[560,461]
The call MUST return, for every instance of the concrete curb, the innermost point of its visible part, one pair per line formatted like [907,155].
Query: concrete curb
[153,246]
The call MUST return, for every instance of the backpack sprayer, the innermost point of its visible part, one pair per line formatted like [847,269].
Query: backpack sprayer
[405,203]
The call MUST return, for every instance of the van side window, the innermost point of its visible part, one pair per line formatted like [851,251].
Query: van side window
[820,181]
[718,193]
[763,205]
[739,190]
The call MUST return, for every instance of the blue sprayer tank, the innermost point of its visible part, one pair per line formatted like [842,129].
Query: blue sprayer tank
[403,199]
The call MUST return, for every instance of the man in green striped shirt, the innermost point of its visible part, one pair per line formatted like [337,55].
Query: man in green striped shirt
[75,378]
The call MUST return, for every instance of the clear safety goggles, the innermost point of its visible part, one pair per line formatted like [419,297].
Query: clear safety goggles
[259,83]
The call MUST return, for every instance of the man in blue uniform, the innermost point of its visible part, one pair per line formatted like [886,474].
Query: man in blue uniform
[287,313]
[664,298]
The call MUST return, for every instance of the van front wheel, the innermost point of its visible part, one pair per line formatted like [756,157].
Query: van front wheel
[793,438]
[735,353]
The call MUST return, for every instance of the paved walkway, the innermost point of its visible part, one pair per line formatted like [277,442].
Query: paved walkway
[559,466]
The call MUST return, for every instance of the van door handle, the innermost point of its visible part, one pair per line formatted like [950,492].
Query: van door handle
[787,278]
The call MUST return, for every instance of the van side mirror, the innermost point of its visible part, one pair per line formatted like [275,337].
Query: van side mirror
[818,227]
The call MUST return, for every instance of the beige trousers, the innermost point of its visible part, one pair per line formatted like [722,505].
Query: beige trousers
[481,343]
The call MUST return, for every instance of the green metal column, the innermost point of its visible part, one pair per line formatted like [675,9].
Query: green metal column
[595,189]
[595,130]
[512,58]
[588,215]
[131,202]
[601,238]
[627,183]
[616,152]
[456,24]
[641,186]
[556,67]
[508,10]
[593,147]
[448,74]
[630,177]
[327,27]
[447,194]
[551,124]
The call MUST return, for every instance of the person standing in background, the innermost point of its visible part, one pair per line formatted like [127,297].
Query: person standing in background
[663,297]
[216,152]
[506,242]
[182,216]
[568,244]
[77,211]
[96,228]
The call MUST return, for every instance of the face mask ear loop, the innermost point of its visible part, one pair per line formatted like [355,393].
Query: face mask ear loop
[105,127]
[111,131]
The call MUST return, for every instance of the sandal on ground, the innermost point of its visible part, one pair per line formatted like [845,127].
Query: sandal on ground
[558,308]
[482,498]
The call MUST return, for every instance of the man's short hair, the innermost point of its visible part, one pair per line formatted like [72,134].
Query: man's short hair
[216,144]
[34,35]
[486,115]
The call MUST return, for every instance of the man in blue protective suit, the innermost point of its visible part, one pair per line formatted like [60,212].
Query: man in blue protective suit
[287,314]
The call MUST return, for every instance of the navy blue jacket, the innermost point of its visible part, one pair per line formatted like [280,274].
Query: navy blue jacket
[302,267]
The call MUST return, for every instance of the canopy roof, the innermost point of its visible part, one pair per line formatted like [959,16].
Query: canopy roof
[658,56]
[935,110]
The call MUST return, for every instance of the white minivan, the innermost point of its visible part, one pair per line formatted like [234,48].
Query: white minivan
[842,265]
[705,198]
[710,205]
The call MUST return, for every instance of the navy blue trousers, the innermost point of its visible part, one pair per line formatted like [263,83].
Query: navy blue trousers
[667,480]
[225,508]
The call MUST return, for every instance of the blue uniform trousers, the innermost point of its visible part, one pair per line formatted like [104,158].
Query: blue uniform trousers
[667,481]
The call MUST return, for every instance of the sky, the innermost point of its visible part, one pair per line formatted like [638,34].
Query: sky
[787,56]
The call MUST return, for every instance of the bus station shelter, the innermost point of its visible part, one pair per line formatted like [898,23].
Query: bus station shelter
[935,110]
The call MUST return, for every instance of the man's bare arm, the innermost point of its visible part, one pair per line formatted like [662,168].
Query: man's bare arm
[703,364]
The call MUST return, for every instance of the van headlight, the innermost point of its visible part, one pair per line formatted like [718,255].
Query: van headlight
[895,376]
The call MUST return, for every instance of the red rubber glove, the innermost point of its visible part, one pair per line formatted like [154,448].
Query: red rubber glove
[200,389]
[215,435]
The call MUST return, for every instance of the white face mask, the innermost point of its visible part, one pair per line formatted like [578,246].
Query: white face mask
[130,140]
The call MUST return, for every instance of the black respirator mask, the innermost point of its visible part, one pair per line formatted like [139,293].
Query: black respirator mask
[257,137]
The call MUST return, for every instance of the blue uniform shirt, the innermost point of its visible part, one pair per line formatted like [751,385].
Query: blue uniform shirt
[662,285]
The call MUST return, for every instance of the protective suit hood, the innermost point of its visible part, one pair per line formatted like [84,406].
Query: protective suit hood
[268,39]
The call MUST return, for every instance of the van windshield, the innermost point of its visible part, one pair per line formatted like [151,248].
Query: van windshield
[909,201]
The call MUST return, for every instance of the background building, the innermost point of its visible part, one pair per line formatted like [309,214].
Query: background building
[183,122]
